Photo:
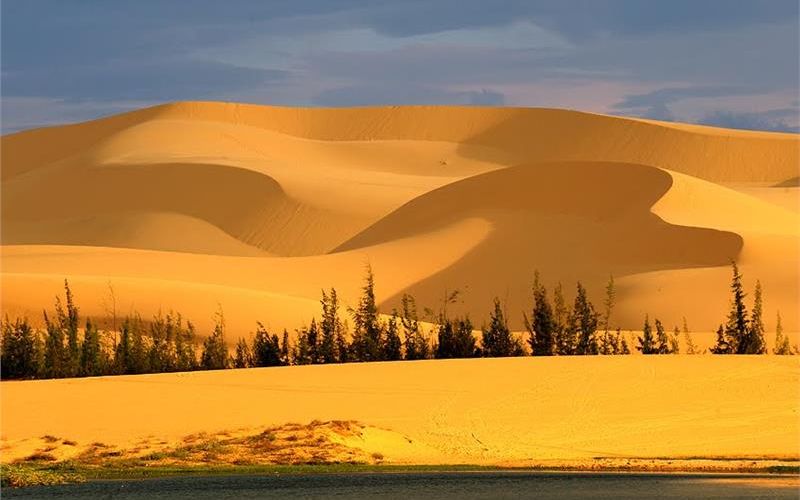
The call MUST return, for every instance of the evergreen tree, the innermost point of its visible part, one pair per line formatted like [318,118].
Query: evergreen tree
[621,344]
[584,323]
[367,334]
[782,346]
[647,344]
[542,327]
[662,341]
[691,348]
[497,338]
[330,328]
[266,348]
[455,339]
[122,351]
[674,342]
[736,326]
[393,345]
[608,303]
[19,356]
[312,340]
[139,361]
[242,357]
[93,358]
[215,353]
[185,352]
[416,344]
[286,349]
[722,346]
[566,337]
[55,355]
[302,350]
[68,320]
[754,342]
[342,348]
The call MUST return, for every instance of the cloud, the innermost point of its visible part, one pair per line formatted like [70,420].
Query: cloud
[776,120]
[399,94]
[656,104]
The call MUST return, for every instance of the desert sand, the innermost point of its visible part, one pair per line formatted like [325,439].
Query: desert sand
[512,411]
[196,205]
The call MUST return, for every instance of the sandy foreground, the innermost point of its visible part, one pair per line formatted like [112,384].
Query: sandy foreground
[192,206]
[514,411]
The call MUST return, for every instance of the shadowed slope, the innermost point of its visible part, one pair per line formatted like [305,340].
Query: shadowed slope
[549,217]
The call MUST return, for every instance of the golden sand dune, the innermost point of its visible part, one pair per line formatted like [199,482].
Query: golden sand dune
[495,411]
[257,208]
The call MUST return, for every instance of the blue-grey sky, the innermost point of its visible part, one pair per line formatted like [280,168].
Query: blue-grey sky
[724,62]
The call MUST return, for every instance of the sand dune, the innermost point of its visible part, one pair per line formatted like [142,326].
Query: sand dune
[483,411]
[257,208]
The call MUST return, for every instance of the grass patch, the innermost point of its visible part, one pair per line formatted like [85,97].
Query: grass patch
[21,475]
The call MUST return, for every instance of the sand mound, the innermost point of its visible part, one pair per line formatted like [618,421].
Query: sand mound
[281,202]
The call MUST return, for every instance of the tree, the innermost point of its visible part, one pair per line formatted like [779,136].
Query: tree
[662,341]
[266,348]
[621,346]
[542,327]
[302,349]
[584,323]
[55,355]
[367,331]
[139,361]
[566,337]
[782,346]
[754,342]
[312,342]
[285,349]
[415,343]
[392,348]
[647,344]
[215,353]
[609,302]
[674,342]
[497,338]
[691,348]
[19,350]
[242,357]
[722,346]
[93,358]
[69,322]
[185,352]
[736,326]
[330,328]
[455,339]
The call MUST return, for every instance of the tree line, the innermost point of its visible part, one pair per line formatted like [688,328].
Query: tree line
[168,343]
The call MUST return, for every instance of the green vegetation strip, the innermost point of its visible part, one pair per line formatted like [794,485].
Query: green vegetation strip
[22,475]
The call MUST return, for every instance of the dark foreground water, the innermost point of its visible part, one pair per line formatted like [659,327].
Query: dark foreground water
[457,485]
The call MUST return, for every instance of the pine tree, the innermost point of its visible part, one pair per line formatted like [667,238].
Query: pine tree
[691,348]
[19,350]
[782,346]
[185,352]
[736,326]
[69,323]
[330,327]
[312,340]
[674,342]
[93,358]
[584,323]
[392,348]
[302,349]
[662,341]
[609,303]
[122,351]
[266,348]
[367,334]
[622,344]
[415,343]
[566,337]
[497,338]
[456,339]
[754,340]
[542,327]
[342,348]
[286,349]
[139,361]
[647,344]
[722,346]
[242,357]
[215,353]
[55,355]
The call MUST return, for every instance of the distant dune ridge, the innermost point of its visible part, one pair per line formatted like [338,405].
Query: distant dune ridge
[256,208]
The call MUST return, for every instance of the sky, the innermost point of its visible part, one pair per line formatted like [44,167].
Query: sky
[732,63]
